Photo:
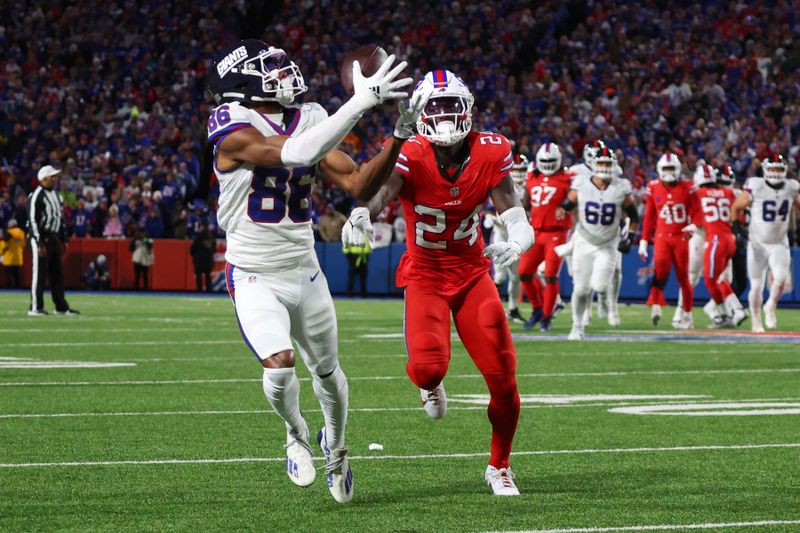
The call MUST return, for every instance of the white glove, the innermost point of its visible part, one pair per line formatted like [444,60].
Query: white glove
[410,111]
[563,250]
[504,254]
[643,250]
[690,229]
[357,231]
[381,86]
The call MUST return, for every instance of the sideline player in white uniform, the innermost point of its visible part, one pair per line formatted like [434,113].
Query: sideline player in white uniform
[519,173]
[770,200]
[601,201]
[266,154]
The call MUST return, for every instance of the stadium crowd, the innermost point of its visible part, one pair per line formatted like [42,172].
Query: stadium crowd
[119,101]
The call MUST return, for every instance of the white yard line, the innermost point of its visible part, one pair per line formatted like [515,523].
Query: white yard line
[119,343]
[606,404]
[663,527]
[403,377]
[409,457]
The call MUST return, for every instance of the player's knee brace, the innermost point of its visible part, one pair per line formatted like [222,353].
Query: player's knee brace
[659,283]
[526,277]
[551,279]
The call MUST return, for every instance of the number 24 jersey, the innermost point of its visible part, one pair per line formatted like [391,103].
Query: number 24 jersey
[443,238]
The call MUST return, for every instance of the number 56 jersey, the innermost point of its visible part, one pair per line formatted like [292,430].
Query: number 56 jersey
[600,210]
[443,238]
[771,209]
[265,212]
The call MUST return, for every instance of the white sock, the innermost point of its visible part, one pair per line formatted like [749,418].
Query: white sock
[732,303]
[282,389]
[579,305]
[332,392]
[513,293]
[775,293]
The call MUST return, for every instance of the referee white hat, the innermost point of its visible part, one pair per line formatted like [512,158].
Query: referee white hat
[47,171]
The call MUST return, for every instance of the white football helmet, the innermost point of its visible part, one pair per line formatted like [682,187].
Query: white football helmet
[519,170]
[605,164]
[548,159]
[590,152]
[668,168]
[704,174]
[775,169]
[447,117]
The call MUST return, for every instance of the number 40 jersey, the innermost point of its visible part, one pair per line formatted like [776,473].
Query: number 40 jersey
[667,209]
[265,212]
[772,206]
[443,238]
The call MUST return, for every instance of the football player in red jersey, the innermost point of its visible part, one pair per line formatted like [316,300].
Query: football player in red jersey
[711,208]
[667,202]
[442,177]
[546,188]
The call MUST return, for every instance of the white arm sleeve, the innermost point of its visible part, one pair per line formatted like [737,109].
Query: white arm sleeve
[312,145]
[519,230]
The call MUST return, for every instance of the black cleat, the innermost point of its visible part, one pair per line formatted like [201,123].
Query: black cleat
[545,326]
[513,316]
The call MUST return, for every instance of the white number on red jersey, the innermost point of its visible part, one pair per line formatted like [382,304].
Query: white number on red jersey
[715,209]
[673,214]
[468,229]
[542,194]
[491,139]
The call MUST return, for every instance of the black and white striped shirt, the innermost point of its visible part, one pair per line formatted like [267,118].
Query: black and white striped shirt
[45,215]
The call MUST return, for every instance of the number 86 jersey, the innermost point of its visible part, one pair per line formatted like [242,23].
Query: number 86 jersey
[600,210]
[443,238]
[265,212]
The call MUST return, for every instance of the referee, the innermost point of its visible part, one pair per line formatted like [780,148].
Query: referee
[48,235]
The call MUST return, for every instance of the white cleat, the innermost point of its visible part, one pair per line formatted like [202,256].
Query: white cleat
[501,480]
[434,401]
[576,334]
[613,319]
[676,318]
[770,318]
[711,311]
[299,459]
[758,328]
[655,314]
[686,322]
[739,316]
[337,470]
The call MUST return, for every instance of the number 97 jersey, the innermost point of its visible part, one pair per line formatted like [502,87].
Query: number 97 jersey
[600,210]
[771,208]
[443,238]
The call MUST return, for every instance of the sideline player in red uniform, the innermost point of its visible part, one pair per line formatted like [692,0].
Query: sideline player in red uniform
[442,177]
[546,188]
[666,214]
[711,208]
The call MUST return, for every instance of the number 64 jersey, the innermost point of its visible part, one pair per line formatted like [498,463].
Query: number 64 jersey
[771,208]
[443,238]
[265,212]
[600,210]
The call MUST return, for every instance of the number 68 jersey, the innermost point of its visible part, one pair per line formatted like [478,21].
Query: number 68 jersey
[265,212]
[443,238]
[771,209]
[600,210]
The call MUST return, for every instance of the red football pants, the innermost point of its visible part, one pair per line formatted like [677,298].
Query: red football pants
[667,251]
[542,250]
[719,250]
[483,328]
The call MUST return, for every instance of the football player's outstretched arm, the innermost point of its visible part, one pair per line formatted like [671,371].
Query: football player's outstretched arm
[364,181]
[520,232]
[312,145]
[358,229]
[632,214]
[742,202]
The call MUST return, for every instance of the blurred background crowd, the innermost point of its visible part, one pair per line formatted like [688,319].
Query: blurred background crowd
[119,101]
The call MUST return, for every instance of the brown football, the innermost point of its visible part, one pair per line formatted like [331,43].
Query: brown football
[369,56]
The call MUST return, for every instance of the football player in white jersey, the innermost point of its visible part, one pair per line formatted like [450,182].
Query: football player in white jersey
[771,200]
[267,152]
[519,173]
[601,201]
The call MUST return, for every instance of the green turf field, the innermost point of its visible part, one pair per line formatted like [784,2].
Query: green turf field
[181,437]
